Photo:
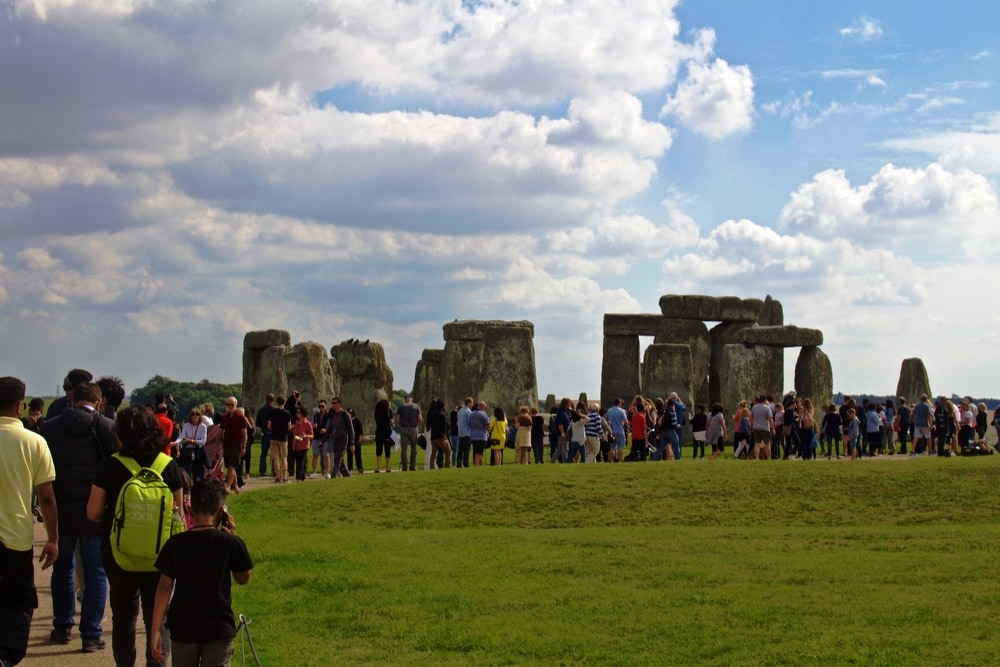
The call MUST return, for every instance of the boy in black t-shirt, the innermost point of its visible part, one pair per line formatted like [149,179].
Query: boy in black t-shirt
[197,567]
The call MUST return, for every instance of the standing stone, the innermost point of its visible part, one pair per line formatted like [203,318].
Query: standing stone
[550,402]
[264,365]
[365,378]
[308,371]
[771,313]
[427,385]
[620,369]
[666,368]
[814,379]
[727,333]
[750,371]
[913,380]
[490,360]
[693,334]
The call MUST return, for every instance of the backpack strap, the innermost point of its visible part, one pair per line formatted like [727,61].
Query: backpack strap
[160,463]
[127,461]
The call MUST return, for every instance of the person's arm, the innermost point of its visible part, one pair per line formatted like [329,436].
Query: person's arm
[47,506]
[179,503]
[164,589]
[200,435]
[95,504]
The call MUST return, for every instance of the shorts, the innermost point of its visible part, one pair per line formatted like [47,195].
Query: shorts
[761,437]
[618,443]
[317,447]
[478,447]
[922,432]
[232,458]
[718,445]
[383,446]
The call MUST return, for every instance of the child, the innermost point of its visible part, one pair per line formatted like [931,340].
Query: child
[699,425]
[196,566]
[851,433]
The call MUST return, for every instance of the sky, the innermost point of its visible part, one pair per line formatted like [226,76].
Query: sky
[174,174]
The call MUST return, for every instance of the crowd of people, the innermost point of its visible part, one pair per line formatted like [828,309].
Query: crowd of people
[70,470]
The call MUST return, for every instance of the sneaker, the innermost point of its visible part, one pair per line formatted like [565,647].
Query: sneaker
[326,476]
[60,635]
[93,644]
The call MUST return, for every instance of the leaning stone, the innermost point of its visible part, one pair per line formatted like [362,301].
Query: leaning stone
[259,340]
[783,336]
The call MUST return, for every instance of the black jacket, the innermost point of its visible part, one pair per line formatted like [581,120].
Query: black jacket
[78,439]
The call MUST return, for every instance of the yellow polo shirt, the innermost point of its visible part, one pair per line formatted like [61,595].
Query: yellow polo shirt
[25,463]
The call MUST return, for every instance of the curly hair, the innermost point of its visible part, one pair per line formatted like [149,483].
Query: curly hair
[138,432]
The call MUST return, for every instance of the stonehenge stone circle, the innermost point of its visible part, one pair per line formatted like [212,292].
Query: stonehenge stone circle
[365,378]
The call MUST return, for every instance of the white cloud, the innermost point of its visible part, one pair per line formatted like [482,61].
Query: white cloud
[871,77]
[977,148]
[958,210]
[864,29]
[715,99]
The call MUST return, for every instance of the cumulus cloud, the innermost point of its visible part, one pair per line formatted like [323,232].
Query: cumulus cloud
[958,209]
[976,148]
[864,29]
[714,99]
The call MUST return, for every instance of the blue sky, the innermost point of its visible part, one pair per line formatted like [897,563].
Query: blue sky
[174,174]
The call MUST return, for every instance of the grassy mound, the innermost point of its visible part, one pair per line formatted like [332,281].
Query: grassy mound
[710,562]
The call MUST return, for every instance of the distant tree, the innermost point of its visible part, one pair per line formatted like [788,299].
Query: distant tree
[187,394]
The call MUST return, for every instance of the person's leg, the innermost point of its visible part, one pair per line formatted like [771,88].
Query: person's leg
[676,444]
[18,600]
[218,652]
[147,583]
[265,446]
[95,588]
[63,588]
[123,594]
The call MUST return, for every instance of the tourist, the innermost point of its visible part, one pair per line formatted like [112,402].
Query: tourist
[383,433]
[618,421]
[408,418]
[679,419]
[522,438]
[873,429]
[464,439]
[564,418]
[923,424]
[889,422]
[139,438]
[666,432]
[715,431]
[437,423]
[301,439]
[741,429]
[537,435]
[763,428]
[25,468]
[113,392]
[278,422]
[851,433]
[967,425]
[593,430]
[807,430]
[902,423]
[699,425]
[340,436]
[191,445]
[832,428]
[191,565]
[359,434]
[790,427]
[260,421]
[234,442]
[638,424]
[498,435]
[318,443]
[479,431]
[72,379]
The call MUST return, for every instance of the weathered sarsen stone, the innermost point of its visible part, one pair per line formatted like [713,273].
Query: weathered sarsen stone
[261,340]
[750,371]
[365,378]
[814,379]
[308,371]
[710,308]
[668,368]
[782,336]
[727,333]
[263,373]
[427,382]
[620,369]
[493,360]
[695,335]
[913,380]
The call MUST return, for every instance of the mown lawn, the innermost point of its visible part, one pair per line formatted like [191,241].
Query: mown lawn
[874,562]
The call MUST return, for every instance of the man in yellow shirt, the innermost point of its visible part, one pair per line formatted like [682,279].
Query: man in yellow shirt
[25,463]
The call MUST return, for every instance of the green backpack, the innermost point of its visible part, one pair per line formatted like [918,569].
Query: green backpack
[144,516]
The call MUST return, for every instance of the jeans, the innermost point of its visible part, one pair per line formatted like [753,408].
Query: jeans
[454,450]
[193,461]
[464,447]
[408,436]
[18,600]
[95,585]
[574,449]
[676,444]
[297,463]
[265,444]
[129,592]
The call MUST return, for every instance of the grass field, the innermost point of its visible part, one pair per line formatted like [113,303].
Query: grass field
[875,562]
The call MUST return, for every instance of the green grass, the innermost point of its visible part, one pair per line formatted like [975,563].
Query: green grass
[717,563]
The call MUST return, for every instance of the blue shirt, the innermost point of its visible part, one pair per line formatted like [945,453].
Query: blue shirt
[617,417]
[463,421]
[479,424]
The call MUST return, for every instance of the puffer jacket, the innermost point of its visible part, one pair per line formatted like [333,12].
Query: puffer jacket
[79,439]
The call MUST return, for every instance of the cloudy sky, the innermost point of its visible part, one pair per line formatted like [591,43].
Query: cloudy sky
[174,174]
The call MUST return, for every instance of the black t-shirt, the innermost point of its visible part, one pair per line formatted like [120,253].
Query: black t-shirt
[111,476]
[699,422]
[201,563]
[280,419]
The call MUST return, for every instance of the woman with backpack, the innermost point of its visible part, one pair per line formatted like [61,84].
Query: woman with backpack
[140,443]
